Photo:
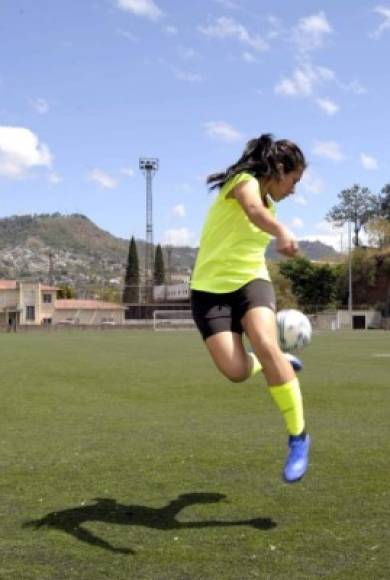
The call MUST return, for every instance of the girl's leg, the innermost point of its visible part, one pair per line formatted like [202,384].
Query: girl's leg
[260,326]
[230,357]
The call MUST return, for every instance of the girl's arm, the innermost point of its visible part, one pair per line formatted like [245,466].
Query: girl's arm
[247,195]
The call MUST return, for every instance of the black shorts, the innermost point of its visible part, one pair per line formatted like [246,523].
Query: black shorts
[215,313]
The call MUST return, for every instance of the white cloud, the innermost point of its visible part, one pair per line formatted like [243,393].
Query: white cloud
[186,53]
[171,30]
[248,57]
[223,131]
[103,179]
[297,223]
[368,162]
[329,150]
[126,34]
[299,199]
[311,183]
[20,151]
[383,11]
[128,171]
[328,106]
[310,32]
[41,106]
[228,28]
[328,239]
[329,234]
[275,29]
[335,236]
[187,76]
[54,178]
[326,227]
[300,84]
[147,8]
[184,188]
[179,210]
[354,87]
[304,80]
[229,4]
[179,237]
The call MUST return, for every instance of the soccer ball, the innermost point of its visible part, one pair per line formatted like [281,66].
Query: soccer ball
[294,329]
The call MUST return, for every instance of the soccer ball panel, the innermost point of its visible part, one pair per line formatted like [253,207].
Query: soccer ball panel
[294,329]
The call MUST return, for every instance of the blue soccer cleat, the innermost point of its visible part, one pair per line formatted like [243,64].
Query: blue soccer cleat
[294,361]
[298,458]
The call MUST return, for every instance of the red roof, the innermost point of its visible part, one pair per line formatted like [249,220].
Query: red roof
[73,304]
[7,284]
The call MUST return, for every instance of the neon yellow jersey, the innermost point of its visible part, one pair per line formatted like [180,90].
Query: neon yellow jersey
[232,249]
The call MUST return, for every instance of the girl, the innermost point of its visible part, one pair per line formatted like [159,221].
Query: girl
[231,291]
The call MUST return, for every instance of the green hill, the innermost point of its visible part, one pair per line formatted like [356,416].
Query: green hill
[59,232]
[83,255]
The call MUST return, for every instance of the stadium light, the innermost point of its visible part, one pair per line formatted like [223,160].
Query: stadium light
[350,274]
[149,166]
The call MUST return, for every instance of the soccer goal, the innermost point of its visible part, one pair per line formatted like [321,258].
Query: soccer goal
[173,320]
[325,321]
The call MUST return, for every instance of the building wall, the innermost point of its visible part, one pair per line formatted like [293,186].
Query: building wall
[172,292]
[8,298]
[31,294]
[373,318]
[26,294]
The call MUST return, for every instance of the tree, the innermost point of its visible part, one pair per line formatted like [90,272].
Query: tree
[109,294]
[378,230]
[364,277]
[65,291]
[131,288]
[384,202]
[313,285]
[285,297]
[378,226]
[159,268]
[357,205]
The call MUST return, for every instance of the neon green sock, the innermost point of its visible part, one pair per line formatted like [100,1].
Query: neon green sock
[256,364]
[288,399]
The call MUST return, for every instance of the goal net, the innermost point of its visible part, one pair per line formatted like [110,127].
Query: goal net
[173,320]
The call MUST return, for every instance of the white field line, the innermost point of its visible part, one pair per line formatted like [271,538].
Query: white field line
[382,355]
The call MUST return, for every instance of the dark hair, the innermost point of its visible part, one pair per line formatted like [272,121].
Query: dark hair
[261,158]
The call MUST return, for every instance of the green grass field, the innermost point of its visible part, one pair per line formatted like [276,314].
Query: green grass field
[125,455]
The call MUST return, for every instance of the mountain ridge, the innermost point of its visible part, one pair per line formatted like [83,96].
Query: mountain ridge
[71,249]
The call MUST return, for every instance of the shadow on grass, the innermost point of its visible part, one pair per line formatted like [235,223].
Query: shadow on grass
[111,512]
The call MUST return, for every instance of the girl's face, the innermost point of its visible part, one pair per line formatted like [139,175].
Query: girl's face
[280,188]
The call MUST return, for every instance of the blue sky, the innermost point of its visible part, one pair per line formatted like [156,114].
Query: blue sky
[86,88]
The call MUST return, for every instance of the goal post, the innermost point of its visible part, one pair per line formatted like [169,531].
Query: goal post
[173,320]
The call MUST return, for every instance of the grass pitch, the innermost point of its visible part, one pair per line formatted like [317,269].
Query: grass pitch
[125,455]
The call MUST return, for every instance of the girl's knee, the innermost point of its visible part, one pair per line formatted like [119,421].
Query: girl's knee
[236,375]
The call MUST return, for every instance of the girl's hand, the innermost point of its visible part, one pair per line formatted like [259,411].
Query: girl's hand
[286,244]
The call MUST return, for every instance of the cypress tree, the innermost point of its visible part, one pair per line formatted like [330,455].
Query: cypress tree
[131,288]
[159,268]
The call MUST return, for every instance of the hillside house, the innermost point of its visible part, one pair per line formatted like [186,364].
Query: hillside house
[36,304]
[27,303]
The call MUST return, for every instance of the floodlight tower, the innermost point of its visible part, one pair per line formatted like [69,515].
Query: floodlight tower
[149,166]
[51,268]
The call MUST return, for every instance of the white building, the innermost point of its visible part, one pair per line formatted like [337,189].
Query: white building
[92,312]
[35,304]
